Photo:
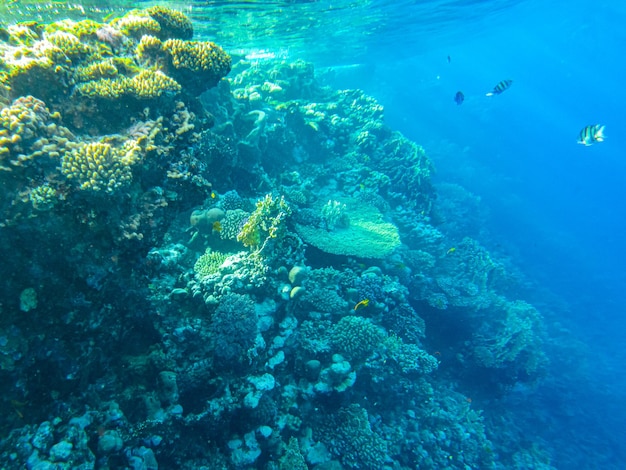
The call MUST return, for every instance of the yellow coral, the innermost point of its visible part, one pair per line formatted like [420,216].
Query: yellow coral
[104,88]
[23,34]
[199,65]
[68,44]
[266,222]
[198,56]
[152,84]
[95,71]
[97,166]
[210,262]
[174,24]
[148,47]
[43,197]
[147,84]
[136,24]
[80,29]
[28,130]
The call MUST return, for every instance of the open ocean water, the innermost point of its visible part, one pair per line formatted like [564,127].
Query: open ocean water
[330,250]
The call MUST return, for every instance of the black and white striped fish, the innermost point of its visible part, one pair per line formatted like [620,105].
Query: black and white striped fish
[500,87]
[591,134]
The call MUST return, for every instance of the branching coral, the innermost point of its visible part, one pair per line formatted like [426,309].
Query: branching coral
[512,340]
[136,24]
[265,223]
[357,337]
[349,435]
[234,328]
[98,166]
[173,23]
[147,84]
[28,131]
[209,263]
[199,65]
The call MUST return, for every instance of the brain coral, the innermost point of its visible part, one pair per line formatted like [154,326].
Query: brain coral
[367,236]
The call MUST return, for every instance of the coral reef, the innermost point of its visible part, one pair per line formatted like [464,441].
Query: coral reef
[232,272]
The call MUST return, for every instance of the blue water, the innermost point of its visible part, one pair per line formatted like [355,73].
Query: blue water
[552,208]
[556,207]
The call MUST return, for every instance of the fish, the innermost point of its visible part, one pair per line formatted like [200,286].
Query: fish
[591,134]
[500,87]
[362,303]
[217,226]
[449,59]
[459,98]
[450,251]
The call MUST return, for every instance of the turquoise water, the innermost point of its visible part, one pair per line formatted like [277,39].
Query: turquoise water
[320,260]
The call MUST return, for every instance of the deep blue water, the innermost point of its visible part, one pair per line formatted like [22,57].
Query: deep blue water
[553,207]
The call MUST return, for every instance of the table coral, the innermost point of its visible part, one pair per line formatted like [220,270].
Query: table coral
[367,235]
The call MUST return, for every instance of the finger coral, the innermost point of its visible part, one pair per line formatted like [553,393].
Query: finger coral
[199,65]
[173,23]
[97,166]
[29,130]
[147,84]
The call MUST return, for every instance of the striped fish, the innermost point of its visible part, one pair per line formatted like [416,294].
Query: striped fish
[500,87]
[591,134]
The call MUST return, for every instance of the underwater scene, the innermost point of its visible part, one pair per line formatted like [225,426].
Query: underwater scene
[294,235]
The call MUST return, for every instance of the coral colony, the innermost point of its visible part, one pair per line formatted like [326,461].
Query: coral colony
[232,268]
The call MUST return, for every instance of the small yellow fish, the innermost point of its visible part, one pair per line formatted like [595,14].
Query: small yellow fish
[450,251]
[213,194]
[217,226]
[362,303]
